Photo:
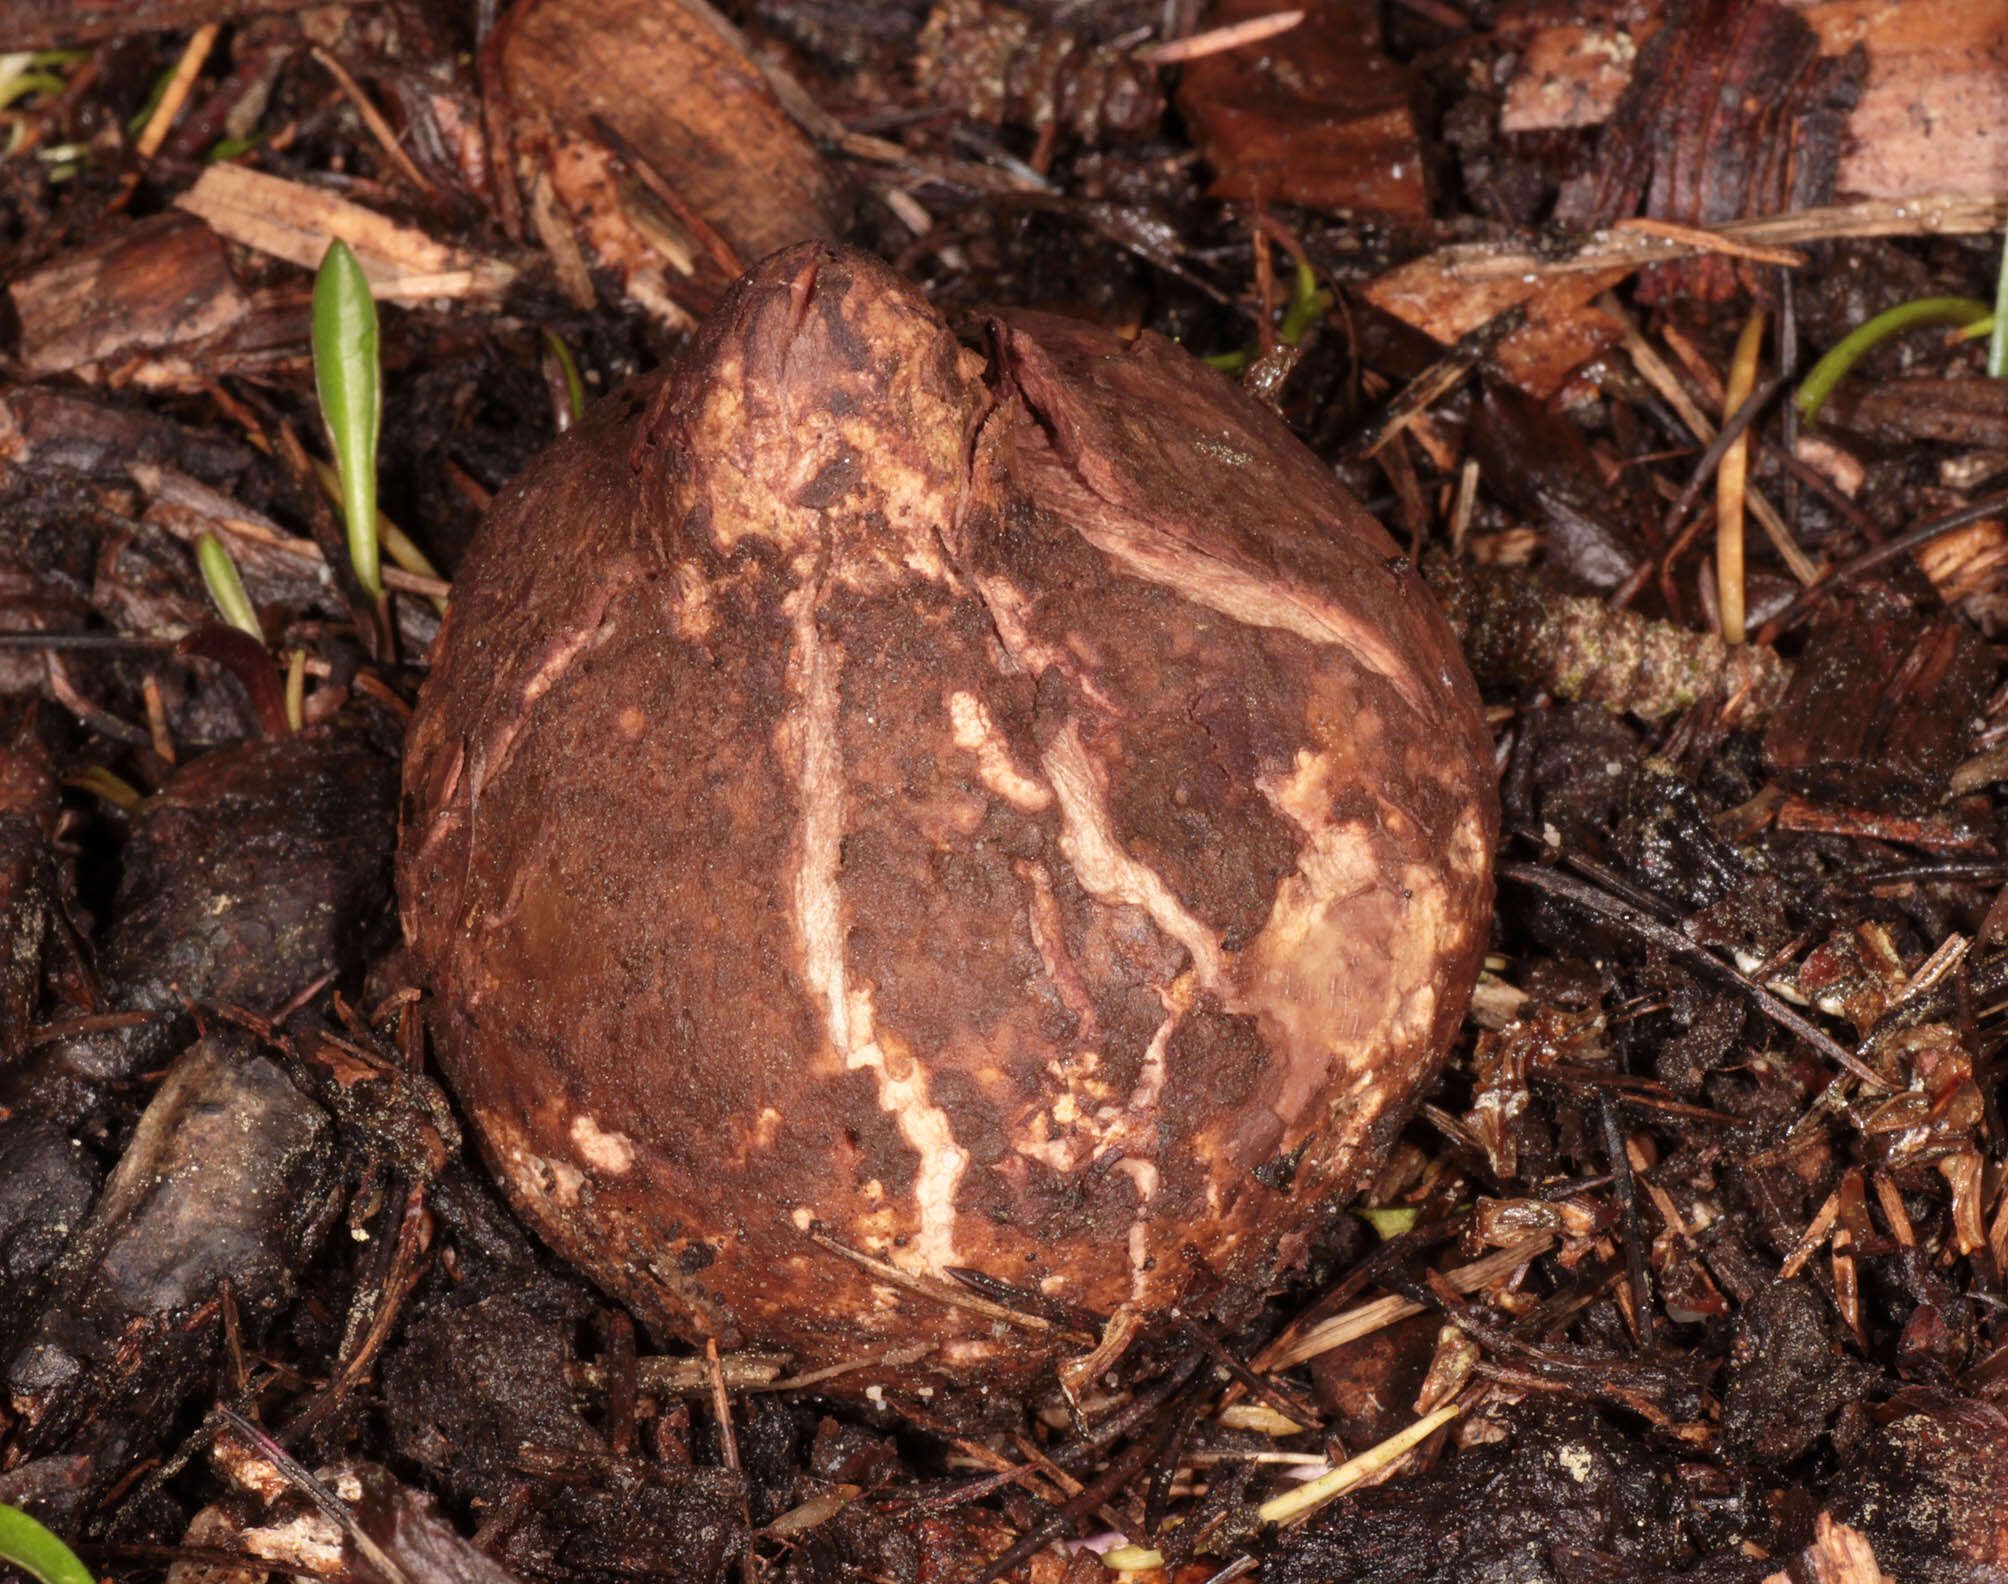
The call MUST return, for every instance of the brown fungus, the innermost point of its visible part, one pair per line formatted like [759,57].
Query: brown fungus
[1016,814]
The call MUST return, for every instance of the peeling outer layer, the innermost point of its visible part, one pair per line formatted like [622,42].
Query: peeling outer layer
[1024,818]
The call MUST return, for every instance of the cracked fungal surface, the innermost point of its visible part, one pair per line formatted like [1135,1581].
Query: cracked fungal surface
[979,809]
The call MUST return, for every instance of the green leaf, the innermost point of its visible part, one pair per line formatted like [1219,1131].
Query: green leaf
[219,576]
[575,390]
[349,380]
[30,1547]
[151,103]
[226,149]
[1307,306]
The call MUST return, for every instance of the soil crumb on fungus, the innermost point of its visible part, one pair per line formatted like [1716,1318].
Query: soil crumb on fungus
[1006,811]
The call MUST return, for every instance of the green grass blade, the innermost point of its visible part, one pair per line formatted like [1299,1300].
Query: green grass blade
[219,576]
[575,389]
[1307,306]
[1833,368]
[349,379]
[30,1547]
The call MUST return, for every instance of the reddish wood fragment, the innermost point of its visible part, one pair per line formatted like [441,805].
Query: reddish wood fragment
[1970,412]
[1942,835]
[1318,117]
[1730,112]
[687,107]
[1563,331]
[1932,117]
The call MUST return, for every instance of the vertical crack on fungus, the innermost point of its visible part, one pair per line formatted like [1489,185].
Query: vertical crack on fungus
[815,668]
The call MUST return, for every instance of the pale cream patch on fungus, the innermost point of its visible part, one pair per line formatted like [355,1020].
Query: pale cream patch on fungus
[601,1149]
[691,611]
[539,1179]
[976,733]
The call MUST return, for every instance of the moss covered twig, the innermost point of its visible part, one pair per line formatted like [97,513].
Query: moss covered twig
[1516,629]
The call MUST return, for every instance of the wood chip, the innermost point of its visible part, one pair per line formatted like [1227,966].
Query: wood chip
[690,111]
[161,285]
[1932,118]
[293,221]
[1322,120]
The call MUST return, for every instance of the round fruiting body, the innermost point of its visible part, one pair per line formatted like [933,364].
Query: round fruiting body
[1014,814]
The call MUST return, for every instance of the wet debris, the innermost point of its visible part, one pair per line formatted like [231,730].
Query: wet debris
[226,1187]
[255,873]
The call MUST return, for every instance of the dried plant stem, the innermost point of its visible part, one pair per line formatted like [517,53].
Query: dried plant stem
[175,95]
[1294,1505]
[1372,1316]
[1729,482]
[930,1287]
[372,118]
[1214,40]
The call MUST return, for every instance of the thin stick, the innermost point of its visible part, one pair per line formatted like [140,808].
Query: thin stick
[1932,214]
[1990,506]
[1214,40]
[721,1404]
[1730,475]
[331,1506]
[1367,1318]
[82,640]
[1710,241]
[1313,1494]
[176,93]
[940,1291]
[1740,420]
[1593,900]
[379,128]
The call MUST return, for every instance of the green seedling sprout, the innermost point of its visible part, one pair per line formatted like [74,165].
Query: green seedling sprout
[575,390]
[1307,305]
[226,149]
[136,123]
[31,1548]
[31,72]
[349,380]
[121,794]
[397,544]
[226,588]
[1833,368]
